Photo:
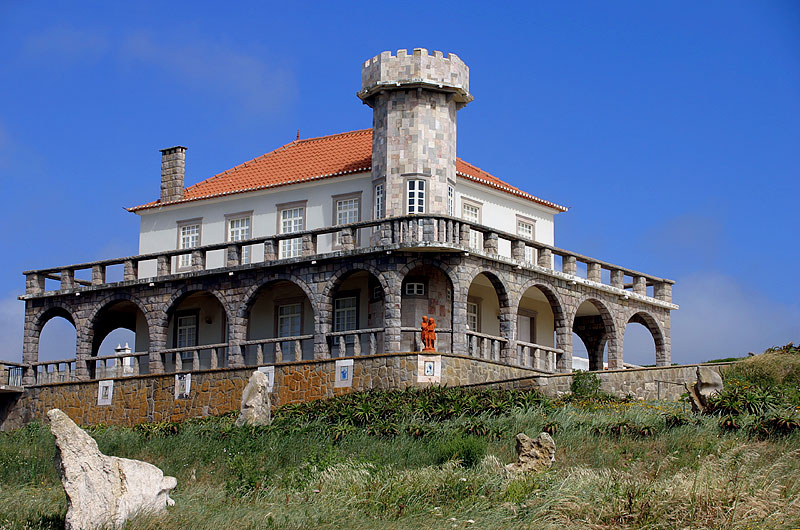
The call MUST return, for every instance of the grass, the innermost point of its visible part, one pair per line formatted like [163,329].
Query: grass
[433,459]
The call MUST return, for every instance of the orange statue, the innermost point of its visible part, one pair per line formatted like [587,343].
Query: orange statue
[428,334]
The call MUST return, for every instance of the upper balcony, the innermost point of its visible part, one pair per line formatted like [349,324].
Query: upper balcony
[425,233]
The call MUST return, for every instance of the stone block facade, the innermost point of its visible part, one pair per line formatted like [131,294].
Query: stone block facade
[151,398]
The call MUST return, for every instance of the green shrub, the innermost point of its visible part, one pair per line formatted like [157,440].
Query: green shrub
[585,384]
[467,450]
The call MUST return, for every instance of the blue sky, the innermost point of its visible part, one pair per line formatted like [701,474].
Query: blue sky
[670,128]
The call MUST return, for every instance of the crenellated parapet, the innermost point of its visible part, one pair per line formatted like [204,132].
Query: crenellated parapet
[416,70]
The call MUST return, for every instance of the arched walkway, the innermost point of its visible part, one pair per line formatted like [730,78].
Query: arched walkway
[491,319]
[426,290]
[644,346]
[357,300]
[594,324]
[195,318]
[541,321]
[278,308]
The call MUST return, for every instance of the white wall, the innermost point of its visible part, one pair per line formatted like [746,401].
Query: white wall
[499,210]
[159,226]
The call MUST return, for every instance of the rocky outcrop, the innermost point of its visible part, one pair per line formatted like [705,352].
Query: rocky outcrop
[256,405]
[708,384]
[102,490]
[533,454]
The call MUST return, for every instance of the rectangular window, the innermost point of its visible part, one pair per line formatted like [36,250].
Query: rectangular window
[525,230]
[416,196]
[185,337]
[345,313]
[473,324]
[346,211]
[189,237]
[380,205]
[472,214]
[289,320]
[239,230]
[292,220]
[415,289]
[451,201]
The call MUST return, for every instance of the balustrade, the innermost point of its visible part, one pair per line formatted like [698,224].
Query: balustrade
[537,357]
[405,231]
[483,346]
[356,342]
[284,349]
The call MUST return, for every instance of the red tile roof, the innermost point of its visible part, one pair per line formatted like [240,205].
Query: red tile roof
[317,159]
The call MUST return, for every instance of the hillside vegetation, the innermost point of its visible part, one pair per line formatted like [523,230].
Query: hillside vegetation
[432,459]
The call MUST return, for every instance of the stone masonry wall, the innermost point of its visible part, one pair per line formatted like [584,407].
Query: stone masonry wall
[213,392]
[663,382]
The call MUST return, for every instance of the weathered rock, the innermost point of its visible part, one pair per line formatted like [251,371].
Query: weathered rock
[708,384]
[533,454]
[103,490]
[256,405]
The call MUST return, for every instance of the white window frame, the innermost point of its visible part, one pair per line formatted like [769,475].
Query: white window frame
[237,232]
[343,216]
[451,200]
[526,229]
[474,317]
[182,340]
[415,289]
[291,219]
[416,196]
[471,212]
[293,315]
[188,240]
[341,313]
[380,200]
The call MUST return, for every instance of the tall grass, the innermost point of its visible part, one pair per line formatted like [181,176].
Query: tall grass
[434,459]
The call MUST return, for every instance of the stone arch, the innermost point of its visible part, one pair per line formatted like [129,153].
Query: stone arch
[160,322]
[372,312]
[596,339]
[560,320]
[651,323]
[503,294]
[445,268]
[179,294]
[251,294]
[88,336]
[268,327]
[409,309]
[33,331]
[337,277]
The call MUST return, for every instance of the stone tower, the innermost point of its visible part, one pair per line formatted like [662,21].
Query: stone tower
[414,100]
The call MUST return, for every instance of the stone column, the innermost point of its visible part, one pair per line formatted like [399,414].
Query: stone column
[508,330]
[238,334]
[83,351]
[617,279]
[594,272]
[392,312]
[30,344]
[640,285]
[545,258]
[323,321]
[569,265]
[490,243]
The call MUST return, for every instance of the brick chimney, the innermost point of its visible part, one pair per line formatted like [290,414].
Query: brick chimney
[173,170]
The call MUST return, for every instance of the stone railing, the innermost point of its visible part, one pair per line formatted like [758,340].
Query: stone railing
[356,342]
[538,357]
[406,232]
[483,346]
[11,374]
[194,358]
[444,339]
[119,365]
[58,371]
[284,349]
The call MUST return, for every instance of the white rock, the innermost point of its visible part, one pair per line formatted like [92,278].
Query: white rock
[103,490]
[256,405]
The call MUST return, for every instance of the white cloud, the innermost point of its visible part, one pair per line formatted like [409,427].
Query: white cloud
[69,43]
[719,317]
[207,66]
[12,318]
